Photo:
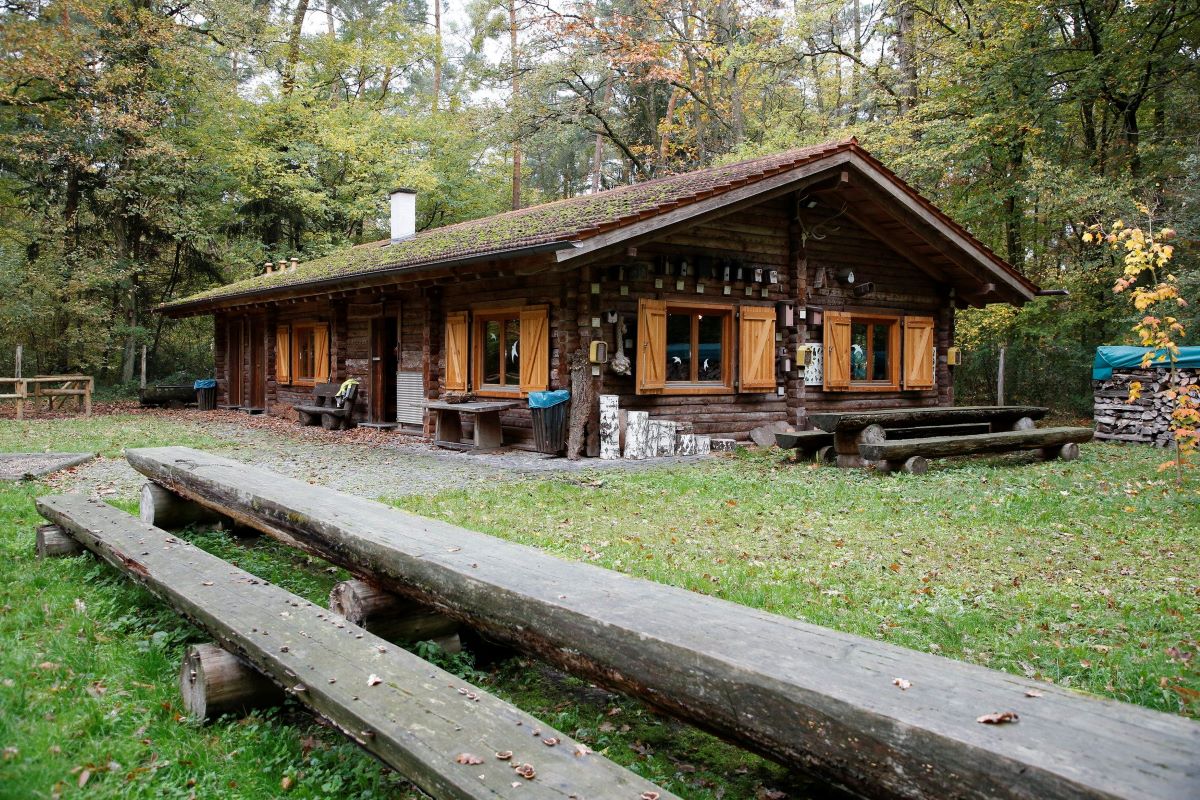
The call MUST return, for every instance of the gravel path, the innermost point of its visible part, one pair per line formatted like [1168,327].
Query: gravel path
[372,464]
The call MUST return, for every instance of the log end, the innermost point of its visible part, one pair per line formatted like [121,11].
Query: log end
[212,682]
[53,542]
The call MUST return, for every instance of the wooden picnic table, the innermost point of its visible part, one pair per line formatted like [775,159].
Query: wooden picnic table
[853,428]
[448,428]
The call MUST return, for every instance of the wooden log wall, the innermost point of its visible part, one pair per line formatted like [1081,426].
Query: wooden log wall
[756,238]
[1146,420]
[837,243]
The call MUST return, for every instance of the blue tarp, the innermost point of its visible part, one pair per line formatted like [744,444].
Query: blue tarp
[1131,358]
[205,383]
[548,399]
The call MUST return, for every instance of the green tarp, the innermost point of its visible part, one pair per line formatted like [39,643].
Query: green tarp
[1108,358]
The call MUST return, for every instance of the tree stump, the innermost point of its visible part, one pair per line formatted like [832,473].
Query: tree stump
[53,542]
[390,616]
[213,682]
[164,509]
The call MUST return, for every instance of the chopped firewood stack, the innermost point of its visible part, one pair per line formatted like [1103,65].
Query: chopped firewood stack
[1148,418]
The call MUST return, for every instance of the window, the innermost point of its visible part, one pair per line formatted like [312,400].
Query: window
[508,350]
[309,358]
[696,341]
[863,352]
[688,348]
[498,342]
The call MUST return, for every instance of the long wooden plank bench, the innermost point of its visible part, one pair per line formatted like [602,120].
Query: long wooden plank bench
[413,716]
[815,698]
[1053,442]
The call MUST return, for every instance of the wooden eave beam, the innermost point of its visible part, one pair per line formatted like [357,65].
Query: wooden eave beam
[888,239]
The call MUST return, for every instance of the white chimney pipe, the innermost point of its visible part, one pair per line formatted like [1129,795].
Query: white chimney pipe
[404,213]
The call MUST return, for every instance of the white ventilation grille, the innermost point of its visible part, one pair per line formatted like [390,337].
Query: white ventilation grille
[410,398]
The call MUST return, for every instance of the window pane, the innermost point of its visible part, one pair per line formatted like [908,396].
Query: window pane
[712,328]
[512,352]
[879,354]
[858,351]
[679,347]
[491,352]
[304,358]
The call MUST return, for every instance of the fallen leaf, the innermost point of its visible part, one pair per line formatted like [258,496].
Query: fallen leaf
[1034,693]
[84,777]
[468,758]
[550,741]
[650,796]
[526,771]
[998,718]
[903,683]
[504,755]
[374,680]
[286,783]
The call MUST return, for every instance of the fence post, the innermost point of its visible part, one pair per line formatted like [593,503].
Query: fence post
[143,366]
[19,386]
[1000,378]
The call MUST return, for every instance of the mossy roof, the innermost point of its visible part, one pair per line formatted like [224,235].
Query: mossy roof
[512,233]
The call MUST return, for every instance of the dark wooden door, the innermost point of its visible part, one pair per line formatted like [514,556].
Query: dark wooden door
[258,364]
[382,392]
[233,364]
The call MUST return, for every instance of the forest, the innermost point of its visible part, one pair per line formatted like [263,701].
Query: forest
[151,148]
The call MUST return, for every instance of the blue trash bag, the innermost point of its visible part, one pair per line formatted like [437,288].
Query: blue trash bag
[548,399]
[205,383]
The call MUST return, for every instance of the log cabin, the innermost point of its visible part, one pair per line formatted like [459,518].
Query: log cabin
[727,298]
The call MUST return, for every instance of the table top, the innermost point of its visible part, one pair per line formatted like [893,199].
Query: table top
[475,407]
[835,421]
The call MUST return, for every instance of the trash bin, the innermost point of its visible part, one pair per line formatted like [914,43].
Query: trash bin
[549,411]
[206,394]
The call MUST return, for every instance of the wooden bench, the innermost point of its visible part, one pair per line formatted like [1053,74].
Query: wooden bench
[910,454]
[324,409]
[807,444]
[818,699]
[416,718]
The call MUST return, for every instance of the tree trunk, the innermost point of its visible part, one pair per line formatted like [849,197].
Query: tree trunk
[516,145]
[293,48]
[582,399]
[437,53]
[905,56]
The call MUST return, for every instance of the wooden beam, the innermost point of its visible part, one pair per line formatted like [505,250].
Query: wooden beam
[413,716]
[818,699]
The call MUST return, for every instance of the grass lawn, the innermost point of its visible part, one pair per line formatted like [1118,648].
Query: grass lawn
[1084,573]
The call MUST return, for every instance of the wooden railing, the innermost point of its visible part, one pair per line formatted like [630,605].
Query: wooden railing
[51,387]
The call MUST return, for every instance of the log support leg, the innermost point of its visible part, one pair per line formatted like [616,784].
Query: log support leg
[845,444]
[213,682]
[164,509]
[392,617]
[1065,452]
[54,542]
[1023,424]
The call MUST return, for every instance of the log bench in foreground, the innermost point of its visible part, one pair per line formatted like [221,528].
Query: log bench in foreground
[812,697]
[413,716]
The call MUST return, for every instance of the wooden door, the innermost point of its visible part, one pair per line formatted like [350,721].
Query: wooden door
[258,364]
[233,360]
[382,394]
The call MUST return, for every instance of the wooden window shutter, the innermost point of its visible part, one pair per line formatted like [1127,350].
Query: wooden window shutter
[837,350]
[652,346]
[321,354]
[283,354]
[918,353]
[535,349]
[756,349]
[456,351]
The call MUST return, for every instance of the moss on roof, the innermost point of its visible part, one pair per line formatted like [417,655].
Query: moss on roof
[563,221]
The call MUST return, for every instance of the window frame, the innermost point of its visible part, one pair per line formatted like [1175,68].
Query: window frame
[479,320]
[728,312]
[297,330]
[895,322]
